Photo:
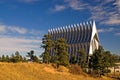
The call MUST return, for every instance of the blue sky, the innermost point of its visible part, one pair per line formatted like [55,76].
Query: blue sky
[24,22]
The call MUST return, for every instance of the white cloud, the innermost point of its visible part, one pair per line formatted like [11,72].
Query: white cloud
[112,20]
[105,11]
[25,41]
[28,1]
[97,12]
[75,4]
[2,29]
[117,3]
[59,8]
[13,44]
[36,32]
[17,29]
[118,34]
[101,30]
[106,30]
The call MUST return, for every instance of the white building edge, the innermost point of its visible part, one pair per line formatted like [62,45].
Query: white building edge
[78,36]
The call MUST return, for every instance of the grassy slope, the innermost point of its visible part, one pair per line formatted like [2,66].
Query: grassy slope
[34,71]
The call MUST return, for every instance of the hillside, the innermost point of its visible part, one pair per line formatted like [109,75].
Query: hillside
[34,71]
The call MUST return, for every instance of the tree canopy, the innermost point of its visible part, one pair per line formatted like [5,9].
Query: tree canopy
[101,60]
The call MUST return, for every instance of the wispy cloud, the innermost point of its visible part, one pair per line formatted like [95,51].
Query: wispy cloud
[13,44]
[106,11]
[2,29]
[36,32]
[97,12]
[112,20]
[28,1]
[106,30]
[14,38]
[17,29]
[117,3]
[117,34]
[58,8]
[101,30]
[5,29]
[73,4]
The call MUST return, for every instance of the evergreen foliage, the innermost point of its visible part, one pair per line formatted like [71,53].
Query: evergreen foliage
[56,52]
[59,48]
[61,52]
[101,60]
[32,57]
[81,58]
[73,59]
[17,57]
[3,59]
[47,45]
[13,58]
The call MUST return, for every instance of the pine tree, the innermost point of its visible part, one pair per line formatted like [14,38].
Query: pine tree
[7,58]
[73,59]
[0,59]
[15,57]
[3,58]
[47,45]
[18,57]
[32,57]
[61,52]
[35,59]
[97,60]
[24,59]
[12,58]
[82,58]
[101,60]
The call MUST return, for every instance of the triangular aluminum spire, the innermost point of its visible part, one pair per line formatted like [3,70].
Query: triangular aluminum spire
[94,42]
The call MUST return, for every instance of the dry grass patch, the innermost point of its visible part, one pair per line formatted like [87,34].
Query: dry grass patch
[35,71]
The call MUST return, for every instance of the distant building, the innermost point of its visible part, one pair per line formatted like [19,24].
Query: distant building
[78,36]
[115,69]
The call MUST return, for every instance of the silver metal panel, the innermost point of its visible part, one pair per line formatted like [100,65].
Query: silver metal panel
[77,36]
[85,32]
[82,32]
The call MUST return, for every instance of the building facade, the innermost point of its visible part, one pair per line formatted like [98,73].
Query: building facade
[78,36]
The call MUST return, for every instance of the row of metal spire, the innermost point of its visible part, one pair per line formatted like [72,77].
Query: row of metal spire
[70,26]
